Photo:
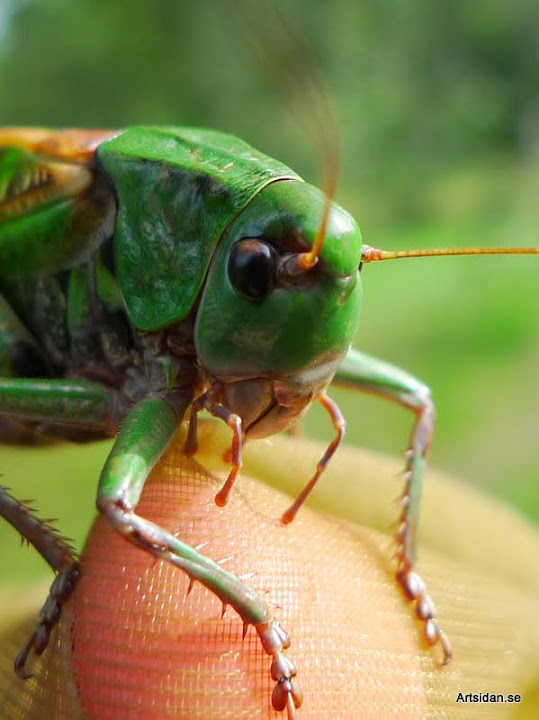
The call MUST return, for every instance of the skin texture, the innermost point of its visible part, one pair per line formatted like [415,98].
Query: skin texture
[140,646]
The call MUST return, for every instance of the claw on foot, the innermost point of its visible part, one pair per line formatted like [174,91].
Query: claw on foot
[286,693]
[415,589]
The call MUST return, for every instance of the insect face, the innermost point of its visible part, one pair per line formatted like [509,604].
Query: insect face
[270,331]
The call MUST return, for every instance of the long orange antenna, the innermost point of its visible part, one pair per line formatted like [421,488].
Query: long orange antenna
[370,254]
[307,260]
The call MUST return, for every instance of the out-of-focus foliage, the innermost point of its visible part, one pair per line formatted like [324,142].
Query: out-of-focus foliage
[439,129]
[419,84]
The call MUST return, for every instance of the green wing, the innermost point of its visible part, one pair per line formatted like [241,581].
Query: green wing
[54,208]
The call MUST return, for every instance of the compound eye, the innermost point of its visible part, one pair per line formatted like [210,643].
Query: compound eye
[251,268]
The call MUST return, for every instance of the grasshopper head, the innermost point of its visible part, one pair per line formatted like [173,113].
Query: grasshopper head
[272,331]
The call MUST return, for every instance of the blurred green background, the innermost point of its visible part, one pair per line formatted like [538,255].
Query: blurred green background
[438,115]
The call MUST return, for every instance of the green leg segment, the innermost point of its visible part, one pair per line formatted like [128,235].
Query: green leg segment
[143,438]
[65,402]
[367,374]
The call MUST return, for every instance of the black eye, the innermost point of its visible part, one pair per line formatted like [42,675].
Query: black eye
[251,268]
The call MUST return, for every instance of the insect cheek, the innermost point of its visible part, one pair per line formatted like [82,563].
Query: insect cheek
[237,323]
